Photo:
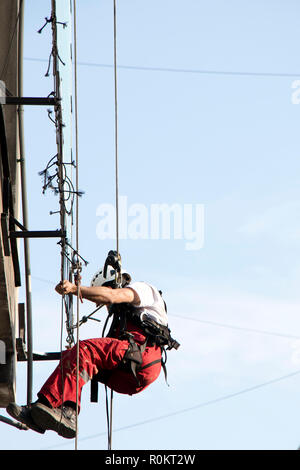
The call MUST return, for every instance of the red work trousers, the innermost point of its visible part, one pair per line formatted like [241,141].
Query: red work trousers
[96,355]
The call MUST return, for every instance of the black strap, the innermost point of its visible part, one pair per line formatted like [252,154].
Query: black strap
[163,364]
[150,364]
[94,390]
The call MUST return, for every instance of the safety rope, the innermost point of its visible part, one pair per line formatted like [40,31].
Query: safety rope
[116,128]
[109,406]
[118,275]
[77,215]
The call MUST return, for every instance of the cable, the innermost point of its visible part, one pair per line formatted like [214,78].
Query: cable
[77,213]
[211,402]
[196,407]
[181,70]
[59,142]
[210,322]
[234,327]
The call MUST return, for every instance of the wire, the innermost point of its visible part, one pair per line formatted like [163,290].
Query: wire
[234,327]
[198,406]
[59,140]
[211,402]
[210,322]
[181,70]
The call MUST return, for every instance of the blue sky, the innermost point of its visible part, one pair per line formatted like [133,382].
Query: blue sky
[205,117]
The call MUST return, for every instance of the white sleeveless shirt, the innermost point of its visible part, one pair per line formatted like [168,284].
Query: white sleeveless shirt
[151,302]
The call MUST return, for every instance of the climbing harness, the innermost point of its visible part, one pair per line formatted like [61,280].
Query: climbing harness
[156,334]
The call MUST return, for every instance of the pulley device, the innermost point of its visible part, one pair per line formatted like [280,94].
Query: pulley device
[114,260]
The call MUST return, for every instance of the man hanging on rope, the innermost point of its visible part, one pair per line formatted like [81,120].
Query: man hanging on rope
[127,360]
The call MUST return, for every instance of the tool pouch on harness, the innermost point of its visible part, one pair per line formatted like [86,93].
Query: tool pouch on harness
[133,357]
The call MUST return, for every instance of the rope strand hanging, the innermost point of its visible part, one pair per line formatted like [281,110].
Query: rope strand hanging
[77,213]
[116,128]
[109,409]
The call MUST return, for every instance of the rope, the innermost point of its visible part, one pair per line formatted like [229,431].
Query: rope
[109,417]
[76,215]
[110,424]
[116,128]
[109,413]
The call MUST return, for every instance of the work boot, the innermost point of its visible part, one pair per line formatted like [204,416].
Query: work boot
[23,414]
[61,420]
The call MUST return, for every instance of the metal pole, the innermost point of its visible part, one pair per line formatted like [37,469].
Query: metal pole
[24,206]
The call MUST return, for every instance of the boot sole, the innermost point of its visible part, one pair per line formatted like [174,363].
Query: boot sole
[49,419]
[14,411]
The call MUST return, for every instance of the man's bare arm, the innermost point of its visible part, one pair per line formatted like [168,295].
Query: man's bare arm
[99,295]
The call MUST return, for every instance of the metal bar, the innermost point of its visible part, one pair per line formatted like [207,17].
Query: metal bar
[3,146]
[21,351]
[33,101]
[16,424]
[47,356]
[8,207]
[6,194]
[5,230]
[24,206]
[18,224]
[21,317]
[15,256]
[37,234]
